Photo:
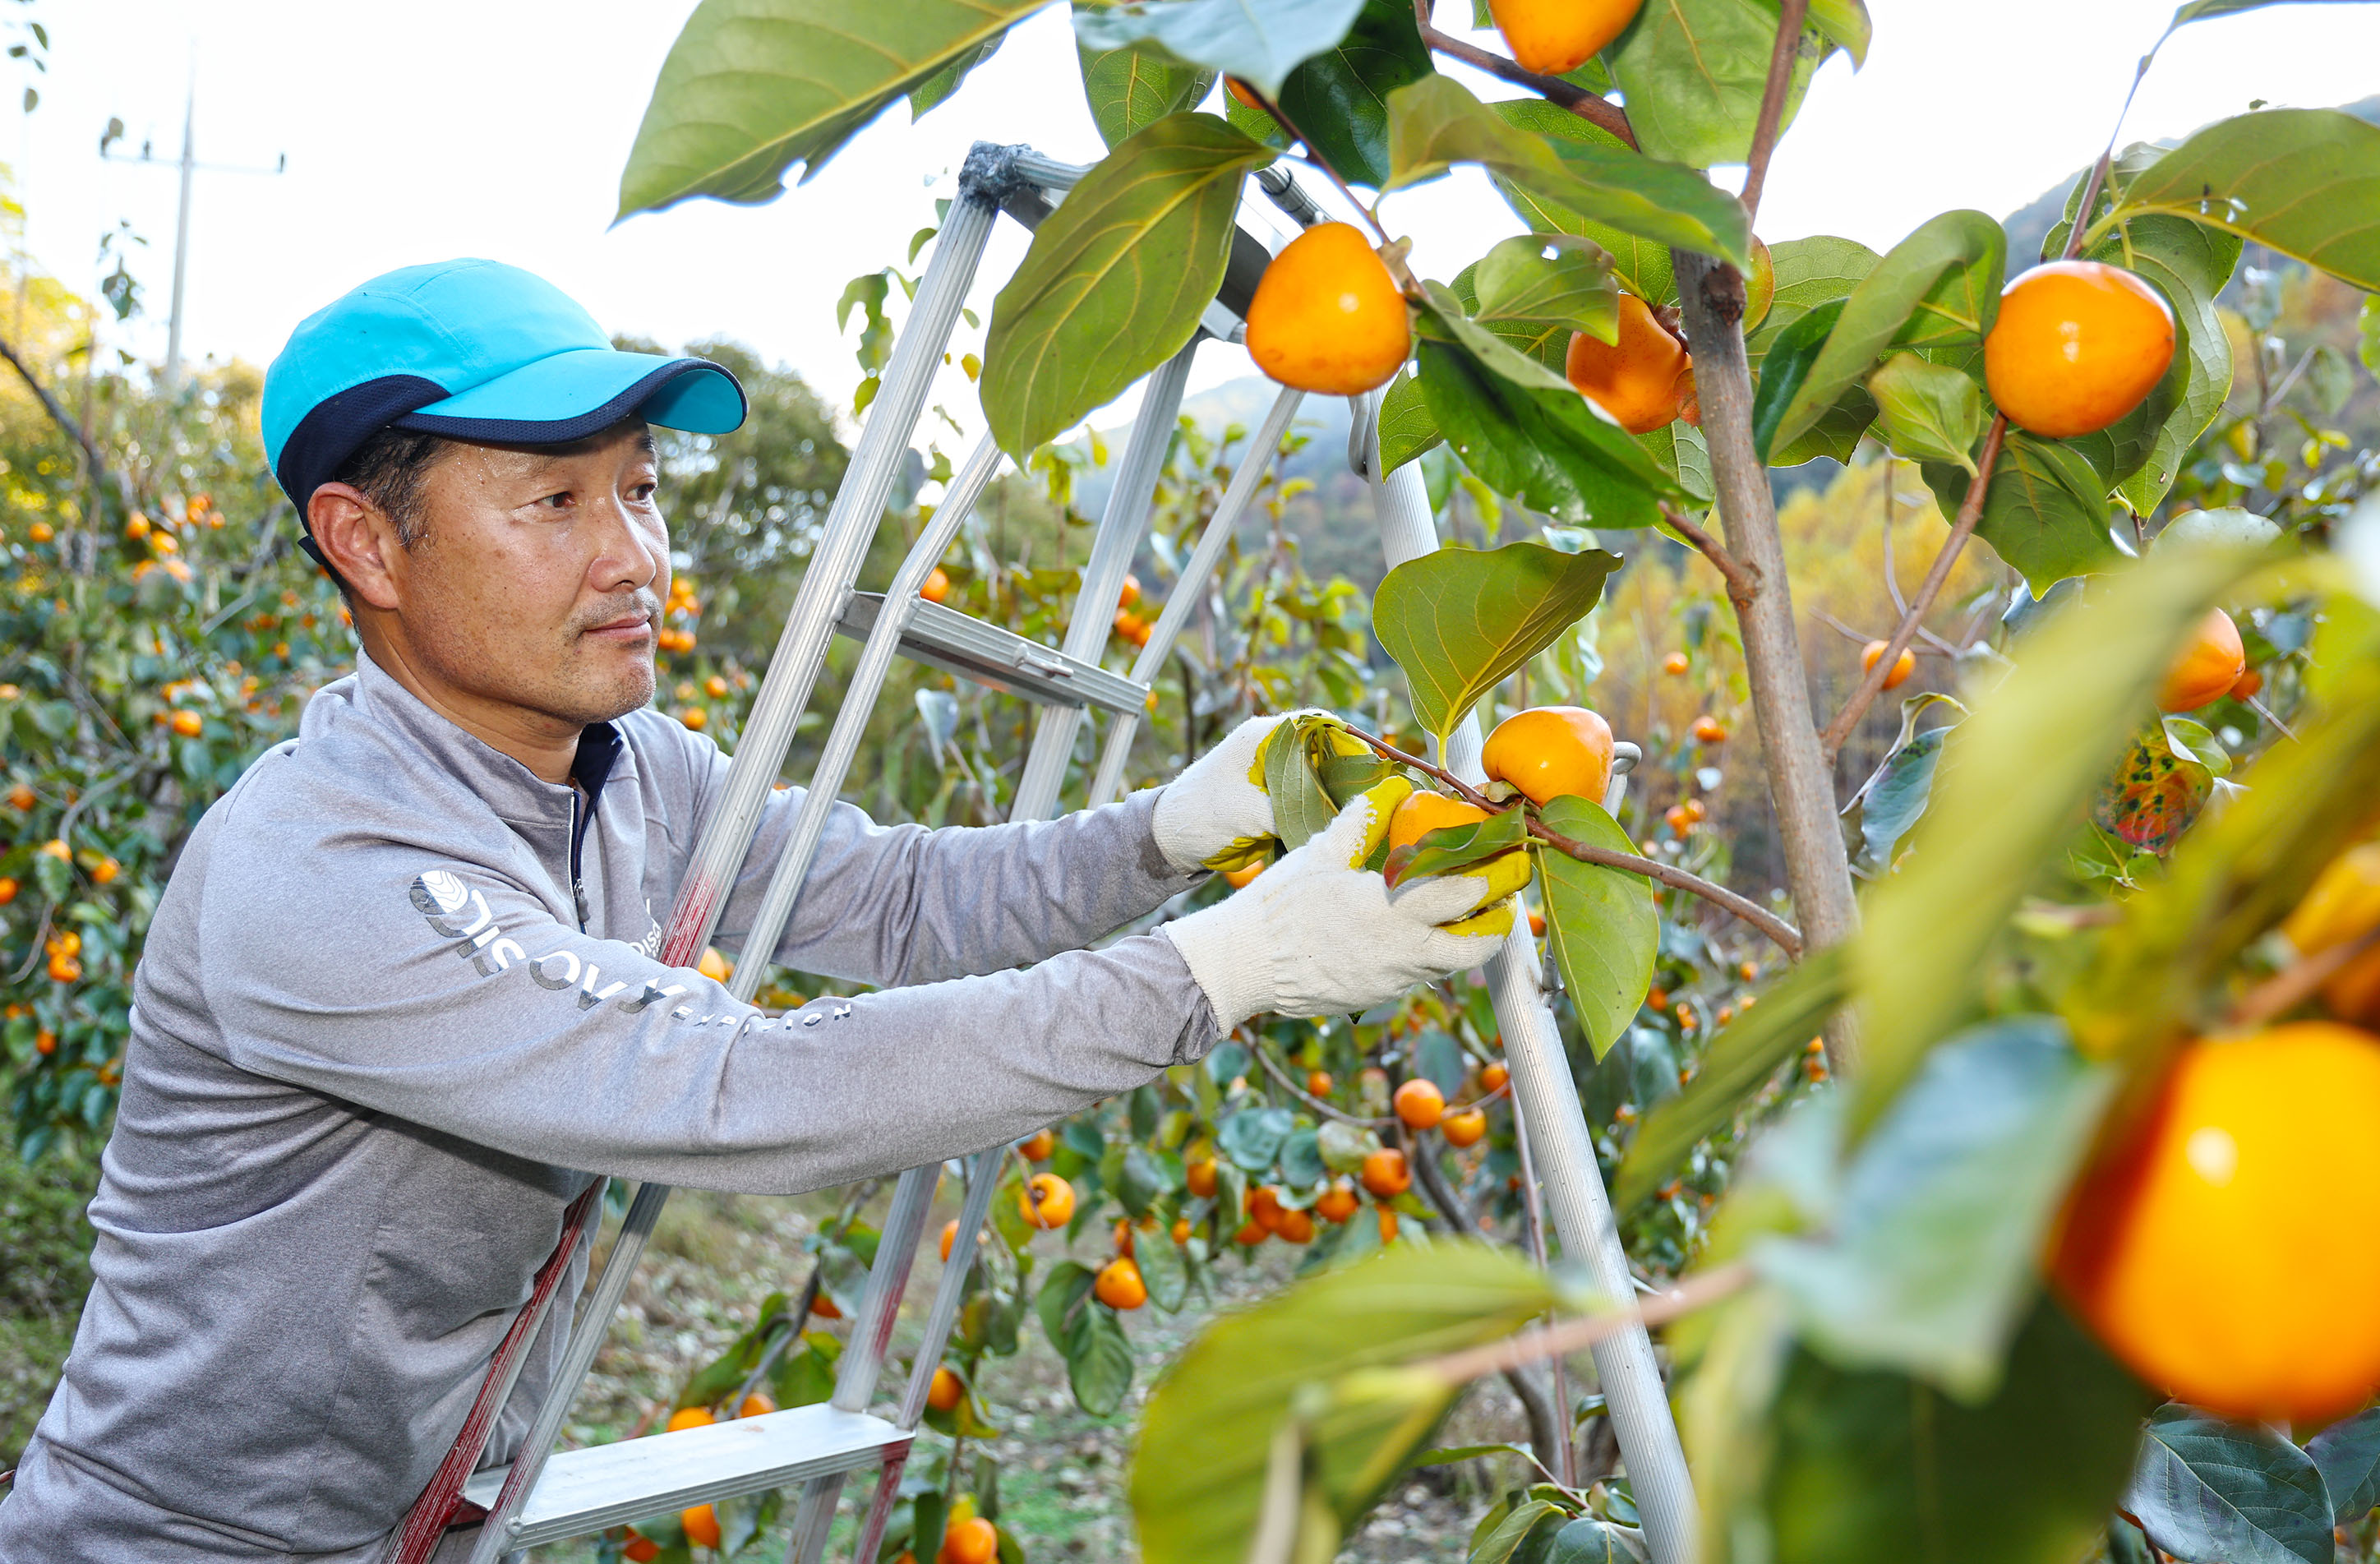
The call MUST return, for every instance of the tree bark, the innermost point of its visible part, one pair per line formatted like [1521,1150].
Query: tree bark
[1801,783]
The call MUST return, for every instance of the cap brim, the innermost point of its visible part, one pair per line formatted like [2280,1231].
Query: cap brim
[584,391]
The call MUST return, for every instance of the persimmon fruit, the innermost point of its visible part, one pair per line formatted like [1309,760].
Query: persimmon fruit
[936,587]
[2209,665]
[702,1525]
[1676,662]
[1903,666]
[1038,1145]
[2344,905]
[1551,752]
[1464,1128]
[1636,377]
[1119,1284]
[1294,1226]
[1420,1104]
[2078,344]
[759,1403]
[1327,317]
[690,1417]
[1426,812]
[1047,1201]
[2227,1247]
[1338,1203]
[950,1236]
[946,1390]
[1492,1077]
[972,1541]
[1709,730]
[1554,36]
[1318,1083]
[1385,1174]
[1239,879]
[1200,1176]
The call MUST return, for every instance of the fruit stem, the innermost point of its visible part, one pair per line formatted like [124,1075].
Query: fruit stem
[1577,1335]
[1789,17]
[1280,1079]
[1781,933]
[1599,112]
[2295,983]
[1971,510]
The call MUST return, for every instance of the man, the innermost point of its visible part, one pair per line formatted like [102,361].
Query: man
[399,1003]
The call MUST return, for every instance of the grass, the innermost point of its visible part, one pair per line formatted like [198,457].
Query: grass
[44,1271]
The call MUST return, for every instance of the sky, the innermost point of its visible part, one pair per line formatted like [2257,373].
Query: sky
[498,128]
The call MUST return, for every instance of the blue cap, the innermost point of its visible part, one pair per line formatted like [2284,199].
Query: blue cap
[473,350]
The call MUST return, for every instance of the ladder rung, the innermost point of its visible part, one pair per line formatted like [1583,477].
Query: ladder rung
[586,1490]
[950,640]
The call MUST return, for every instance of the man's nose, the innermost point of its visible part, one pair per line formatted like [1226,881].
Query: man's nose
[627,559]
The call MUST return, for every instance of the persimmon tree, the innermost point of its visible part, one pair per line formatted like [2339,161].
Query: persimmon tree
[2057,927]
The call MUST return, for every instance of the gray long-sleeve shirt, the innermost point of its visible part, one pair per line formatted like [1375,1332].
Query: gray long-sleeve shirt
[398,1003]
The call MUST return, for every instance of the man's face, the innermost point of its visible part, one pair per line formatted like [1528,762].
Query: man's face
[538,580]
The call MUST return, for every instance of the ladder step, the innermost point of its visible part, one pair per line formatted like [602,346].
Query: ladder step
[945,638]
[586,1490]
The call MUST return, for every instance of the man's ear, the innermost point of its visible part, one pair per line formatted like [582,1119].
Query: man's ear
[357,540]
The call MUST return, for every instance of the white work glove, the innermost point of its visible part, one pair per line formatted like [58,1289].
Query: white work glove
[1318,935]
[1216,814]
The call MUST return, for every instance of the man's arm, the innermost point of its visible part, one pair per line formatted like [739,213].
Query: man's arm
[443,995]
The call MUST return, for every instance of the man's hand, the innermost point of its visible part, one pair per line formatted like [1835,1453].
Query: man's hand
[1318,934]
[1216,814]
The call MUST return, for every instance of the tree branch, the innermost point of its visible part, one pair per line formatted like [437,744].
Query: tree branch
[1970,512]
[1743,582]
[1790,14]
[64,421]
[1314,155]
[1280,1079]
[2295,984]
[1596,111]
[1461,1368]
[1782,934]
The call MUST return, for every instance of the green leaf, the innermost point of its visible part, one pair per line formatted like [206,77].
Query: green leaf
[2300,181]
[1644,266]
[1740,1061]
[1302,807]
[1601,927]
[1523,1536]
[2015,779]
[1929,1262]
[1197,1475]
[1443,319]
[1128,91]
[1939,284]
[1164,1269]
[1085,1332]
[1551,450]
[2348,1452]
[1252,1137]
[1693,72]
[2189,265]
[1809,272]
[1517,281]
[1301,1159]
[1846,23]
[2367,337]
[1116,277]
[1870,1467]
[1406,429]
[1436,124]
[1339,98]
[1450,848]
[1678,449]
[752,87]
[1460,620]
[2046,512]
[1930,412]
[2205,1488]
[1786,367]
[1260,45]
[936,89]
[2199,10]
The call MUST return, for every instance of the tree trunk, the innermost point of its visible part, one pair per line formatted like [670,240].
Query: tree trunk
[1801,783]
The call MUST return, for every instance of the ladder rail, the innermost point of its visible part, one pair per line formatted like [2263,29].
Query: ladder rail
[1546,1094]
[1192,587]
[1122,525]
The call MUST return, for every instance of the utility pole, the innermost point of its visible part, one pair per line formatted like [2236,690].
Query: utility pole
[189,167]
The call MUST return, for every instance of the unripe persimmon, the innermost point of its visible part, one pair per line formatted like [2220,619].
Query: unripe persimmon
[1327,317]
[2228,1247]
[1420,1104]
[1047,1201]
[2078,344]
[1464,1128]
[1554,36]
[2209,665]
[1385,1174]
[1635,378]
[1550,752]
[1425,812]
[1118,1285]
[1903,666]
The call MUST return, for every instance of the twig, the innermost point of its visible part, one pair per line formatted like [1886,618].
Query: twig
[2106,163]
[1281,1078]
[100,470]
[2260,709]
[1934,642]
[1599,112]
[2295,983]
[1772,101]
[1561,1341]
[1743,582]
[1781,933]
[1970,512]
[1314,155]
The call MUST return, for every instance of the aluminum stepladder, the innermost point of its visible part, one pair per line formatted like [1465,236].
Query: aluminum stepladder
[547,1497]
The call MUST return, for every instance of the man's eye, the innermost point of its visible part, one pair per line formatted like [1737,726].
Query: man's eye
[559,501]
